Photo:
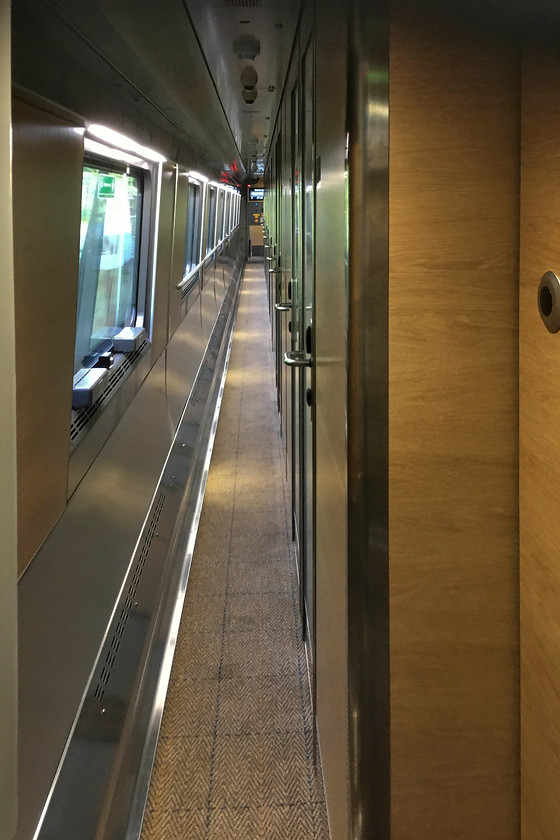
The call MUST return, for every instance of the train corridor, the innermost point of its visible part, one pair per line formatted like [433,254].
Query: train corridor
[235,756]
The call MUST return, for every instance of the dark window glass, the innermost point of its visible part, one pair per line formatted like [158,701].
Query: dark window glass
[210,236]
[227,214]
[194,219]
[109,255]
[220,227]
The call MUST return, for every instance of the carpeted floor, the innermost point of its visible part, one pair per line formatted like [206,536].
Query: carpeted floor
[235,753]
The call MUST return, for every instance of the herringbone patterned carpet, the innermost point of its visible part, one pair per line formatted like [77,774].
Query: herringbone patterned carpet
[235,753]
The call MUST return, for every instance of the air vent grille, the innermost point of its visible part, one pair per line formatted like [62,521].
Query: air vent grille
[243,4]
[189,287]
[83,417]
[128,603]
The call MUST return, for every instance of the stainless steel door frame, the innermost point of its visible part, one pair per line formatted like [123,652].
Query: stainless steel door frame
[368,422]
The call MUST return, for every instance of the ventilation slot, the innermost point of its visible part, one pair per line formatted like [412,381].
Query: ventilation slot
[190,286]
[243,4]
[82,418]
[128,602]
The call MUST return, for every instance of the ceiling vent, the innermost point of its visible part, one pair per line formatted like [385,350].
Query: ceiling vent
[247,47]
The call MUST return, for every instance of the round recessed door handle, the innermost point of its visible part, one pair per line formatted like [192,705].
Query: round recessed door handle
[548,300]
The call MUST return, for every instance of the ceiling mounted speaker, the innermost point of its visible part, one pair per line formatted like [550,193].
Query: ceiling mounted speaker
[249,77]
[247,47]
[249,95]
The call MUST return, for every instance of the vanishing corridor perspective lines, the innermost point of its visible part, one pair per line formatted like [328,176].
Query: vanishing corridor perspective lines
[235,753]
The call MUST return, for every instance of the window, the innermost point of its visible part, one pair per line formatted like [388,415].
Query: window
[194,219]
[220,225]
[109,257]
[210,236]
[227,215]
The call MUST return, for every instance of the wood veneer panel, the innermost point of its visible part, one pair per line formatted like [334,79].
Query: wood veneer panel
[539,491]
[453,531]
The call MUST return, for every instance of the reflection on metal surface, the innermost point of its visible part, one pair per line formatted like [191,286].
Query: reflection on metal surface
[108,135]
[297,358]
[67,594]
[368,467]
[102,782]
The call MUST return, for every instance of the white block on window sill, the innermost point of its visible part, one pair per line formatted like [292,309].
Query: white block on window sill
[129,339]
[86,391]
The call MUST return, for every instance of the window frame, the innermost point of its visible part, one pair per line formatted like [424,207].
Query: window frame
[145,173]
[197,246]
[211,248]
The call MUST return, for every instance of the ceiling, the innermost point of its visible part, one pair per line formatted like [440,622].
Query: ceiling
[171,69]
[239,34]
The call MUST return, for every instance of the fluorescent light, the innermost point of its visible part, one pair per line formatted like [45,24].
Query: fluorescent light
[108,151]
[196,176]
[126,143]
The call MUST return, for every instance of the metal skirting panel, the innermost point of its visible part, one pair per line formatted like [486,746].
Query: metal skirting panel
[103,778]
[83,577]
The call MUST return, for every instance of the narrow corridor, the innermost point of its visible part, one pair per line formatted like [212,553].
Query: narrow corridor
[235,753]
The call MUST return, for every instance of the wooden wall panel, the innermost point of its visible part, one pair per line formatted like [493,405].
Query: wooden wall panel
[47,184]
[539,490]
[453,526]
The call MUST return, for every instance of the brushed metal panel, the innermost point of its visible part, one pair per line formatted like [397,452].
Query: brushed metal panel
[331,484]
[110,61]
[183,358]
[273,25]
[368,441]
[82,563]
[185,351]
[178,264]
[94,438]
[164,257]
[102,782]
[47,184]
[8,467]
